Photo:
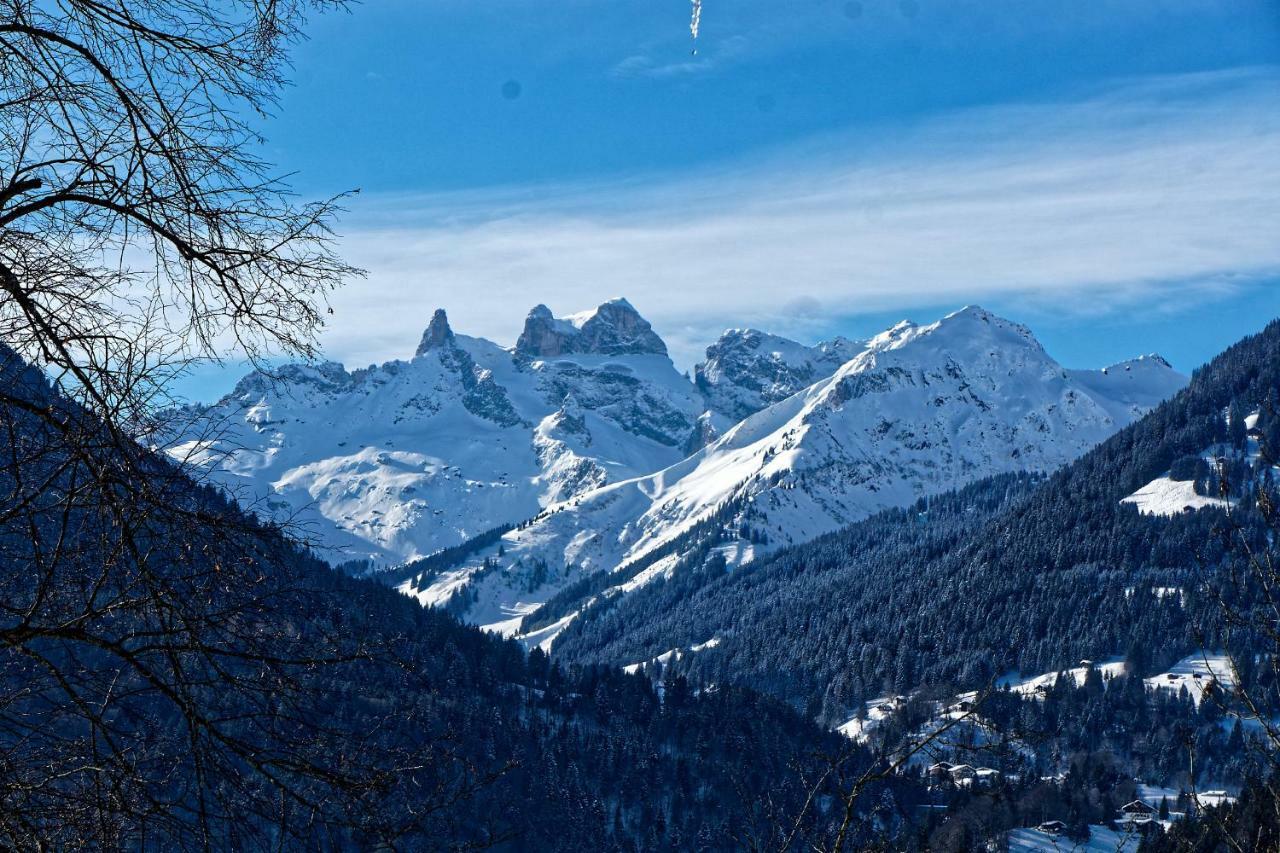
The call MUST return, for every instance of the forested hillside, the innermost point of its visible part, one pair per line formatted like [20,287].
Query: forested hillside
[180,673]
[1004,575]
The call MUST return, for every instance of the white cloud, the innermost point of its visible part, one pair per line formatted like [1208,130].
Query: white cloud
[722,52]
[1160,190]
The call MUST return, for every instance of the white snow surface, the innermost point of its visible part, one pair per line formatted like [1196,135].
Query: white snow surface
[877,711]
[1166,497]
[672,655]
[1195,673]
[607,451]
[1101,840]
[1209,798]
[1037,685]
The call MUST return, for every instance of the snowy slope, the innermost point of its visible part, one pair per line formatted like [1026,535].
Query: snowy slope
[1126,389]
[959,706]
[587,431]
[919,410]
[399,460]
[1101,840]
[1038,685]
[1196,673]
[1165,496]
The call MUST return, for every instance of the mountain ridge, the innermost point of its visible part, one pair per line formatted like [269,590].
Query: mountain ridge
[919,410]
[589,444]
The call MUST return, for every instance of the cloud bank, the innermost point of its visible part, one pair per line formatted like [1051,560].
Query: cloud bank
[1141,197]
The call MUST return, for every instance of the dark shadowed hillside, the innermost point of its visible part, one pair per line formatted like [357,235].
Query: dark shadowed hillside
[256,698]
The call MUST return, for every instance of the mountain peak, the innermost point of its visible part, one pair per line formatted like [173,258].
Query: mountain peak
[975,312]
[1150,361]
[737,337]
[613,328]
[438,333]
[971,324]
[1151,373]
[620,302]
[611,310]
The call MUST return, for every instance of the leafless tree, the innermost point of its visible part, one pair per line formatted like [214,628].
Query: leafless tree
[163,658]
[138,228]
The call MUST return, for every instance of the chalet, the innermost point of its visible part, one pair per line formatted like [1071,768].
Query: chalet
[986,776]
[1052,827]
[1206,799]
[963,773]
[941,769]
[1137,812]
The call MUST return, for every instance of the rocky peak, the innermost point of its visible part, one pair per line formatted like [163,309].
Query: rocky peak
[736,339]
[438,333]
[289,379]
[747,369]
[614,328]
[841,349]
[543,336]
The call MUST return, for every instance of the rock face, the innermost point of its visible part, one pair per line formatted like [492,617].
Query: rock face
[615,328]
[747,370]
[437,335]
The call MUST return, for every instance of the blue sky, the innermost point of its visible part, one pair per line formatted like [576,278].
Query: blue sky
[1107,171]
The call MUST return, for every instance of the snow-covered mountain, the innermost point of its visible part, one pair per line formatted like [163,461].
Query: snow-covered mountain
[918,410]
[586,436]
[396,461]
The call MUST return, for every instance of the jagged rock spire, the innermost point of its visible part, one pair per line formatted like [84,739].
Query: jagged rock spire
[541,335]
[438,333]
